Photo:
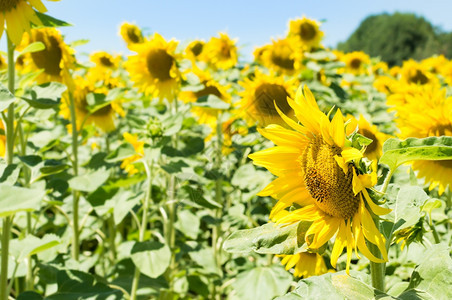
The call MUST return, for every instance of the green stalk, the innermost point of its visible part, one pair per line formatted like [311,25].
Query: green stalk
[6,232]
[378,270]
[216,232]
[112,236]
[75,194]
[144,223]
[6,228]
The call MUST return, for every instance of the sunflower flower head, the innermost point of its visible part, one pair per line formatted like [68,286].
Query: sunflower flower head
[131,34]
[220,52]
[282,56]
[318,172]
[194,49]
[307,31]
[355,62]
[53,61]
[260,95]
[154,68]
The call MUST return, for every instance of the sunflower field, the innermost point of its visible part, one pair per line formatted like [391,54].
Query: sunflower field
[182,172]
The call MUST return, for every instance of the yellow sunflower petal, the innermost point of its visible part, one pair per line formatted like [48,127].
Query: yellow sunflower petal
[339,244]
[337,126]
[350,153]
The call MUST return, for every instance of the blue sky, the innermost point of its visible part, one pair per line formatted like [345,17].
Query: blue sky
[254,23]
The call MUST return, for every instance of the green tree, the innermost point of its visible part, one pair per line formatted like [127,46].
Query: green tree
[398,37]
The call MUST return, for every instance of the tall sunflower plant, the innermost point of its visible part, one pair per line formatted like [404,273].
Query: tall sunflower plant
[331,208]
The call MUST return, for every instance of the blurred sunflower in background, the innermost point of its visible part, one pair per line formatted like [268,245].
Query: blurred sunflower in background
[413,72]
[194,50]
[305,264]
[307,32]
[428,114]
[317,172]
[207,86]
[154,68]
[131,34]
[18,14]
[2,139]
[51,61]
[374,150]
[3,63]
[220,52]
[282,56]
[259,96]
[356,62]
[87,111]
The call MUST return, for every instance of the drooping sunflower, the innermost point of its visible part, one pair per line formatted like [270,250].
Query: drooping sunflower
[56,58]
[208,86]
[260,95]
[220,52]
[131,34]
[283,56]
[425,115]
[317,172]
[307,31]
[153,69]
[18,14]
[355,62]
[375,149]
[102,118]
[138,146]
[305,264]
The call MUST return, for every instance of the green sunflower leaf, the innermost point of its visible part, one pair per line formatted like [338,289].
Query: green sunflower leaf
[6,98]
[15,199]
[397,152]
[48,21]
[151,258]
[33,47]
[268,239]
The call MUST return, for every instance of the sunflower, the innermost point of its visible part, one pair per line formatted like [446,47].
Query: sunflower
[18,14]
[307,31]
[220,53]
[413,72]
[428,114]
[131,34]
[355,62]
[260,95]
[103,73]
[102,117]
[208,86]
[105,60]
[384,84]
[138,146]
[435,63]
[374,150]
[283,56]
[194,49]
[317,172]
[153,69]
[305,264]
[53,60]
[258,53]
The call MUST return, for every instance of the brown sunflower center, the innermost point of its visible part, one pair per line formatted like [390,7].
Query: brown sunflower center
[370,135]
[159,64]
[418,77]
[48,59]
[355,63]
[208,90]
[104,111]
[281,57]
[225,50]
[307,31]
[441,129]
[265,97]
[134,35]
[106,62]
[326,181]
[196,49]
[7,5]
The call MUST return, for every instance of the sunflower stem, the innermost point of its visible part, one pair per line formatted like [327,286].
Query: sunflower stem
[386,182]
[434,232]
[9,120]
[216,231]
[377,270]
[75,194]
[143,227]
